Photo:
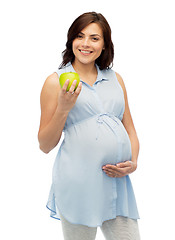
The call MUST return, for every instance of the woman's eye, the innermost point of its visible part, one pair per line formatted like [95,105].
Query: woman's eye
[95,39]
[79,36]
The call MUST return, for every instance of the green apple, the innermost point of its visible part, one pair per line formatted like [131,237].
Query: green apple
[71,76]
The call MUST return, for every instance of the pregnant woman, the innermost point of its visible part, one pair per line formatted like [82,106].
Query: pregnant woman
[91,186]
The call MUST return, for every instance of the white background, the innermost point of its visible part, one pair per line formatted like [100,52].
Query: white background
[33,35]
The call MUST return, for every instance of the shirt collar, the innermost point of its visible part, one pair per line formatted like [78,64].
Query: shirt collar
[100,73]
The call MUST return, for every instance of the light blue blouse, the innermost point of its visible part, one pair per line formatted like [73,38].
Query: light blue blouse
[93,136]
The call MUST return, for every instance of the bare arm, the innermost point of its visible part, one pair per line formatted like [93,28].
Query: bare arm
[55,106]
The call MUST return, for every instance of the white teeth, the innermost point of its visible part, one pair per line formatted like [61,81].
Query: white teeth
[85,51]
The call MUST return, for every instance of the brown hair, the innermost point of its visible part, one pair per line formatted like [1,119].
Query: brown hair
[106,58]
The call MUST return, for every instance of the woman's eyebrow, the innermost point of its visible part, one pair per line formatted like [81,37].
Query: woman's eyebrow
[95,34]
[92,35]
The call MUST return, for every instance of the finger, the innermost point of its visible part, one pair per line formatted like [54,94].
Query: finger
[64,88]
[124,164]
[111,171]
[108,166]
[124,171]
[78,89]
[118,170]
[72,87]
[113,174]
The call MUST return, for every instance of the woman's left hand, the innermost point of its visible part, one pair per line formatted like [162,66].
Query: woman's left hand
[120,169]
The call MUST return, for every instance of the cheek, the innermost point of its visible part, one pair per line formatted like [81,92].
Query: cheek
[74,45]
[99,50]
[99,47]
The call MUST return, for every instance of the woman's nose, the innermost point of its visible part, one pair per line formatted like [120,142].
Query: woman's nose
[85,42]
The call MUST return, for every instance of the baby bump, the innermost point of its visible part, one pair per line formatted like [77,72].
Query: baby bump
[93,144]
[86,149]
[125,143]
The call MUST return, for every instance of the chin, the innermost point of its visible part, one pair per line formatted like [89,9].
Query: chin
[86,61]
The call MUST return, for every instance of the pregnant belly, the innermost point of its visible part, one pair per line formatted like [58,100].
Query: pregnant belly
[86,148]
[96,144]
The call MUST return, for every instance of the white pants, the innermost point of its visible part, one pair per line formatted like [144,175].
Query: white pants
[120,228]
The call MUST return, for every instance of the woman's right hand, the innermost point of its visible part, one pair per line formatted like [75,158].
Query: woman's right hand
[66,100]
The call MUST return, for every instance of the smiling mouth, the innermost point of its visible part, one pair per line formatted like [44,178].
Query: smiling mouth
[85,51]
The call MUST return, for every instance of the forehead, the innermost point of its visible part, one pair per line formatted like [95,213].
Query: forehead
[92,28]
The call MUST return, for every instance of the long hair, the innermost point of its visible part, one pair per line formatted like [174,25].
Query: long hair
[105,60]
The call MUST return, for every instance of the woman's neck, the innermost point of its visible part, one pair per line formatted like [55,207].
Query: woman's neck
[84,69]
[87,72]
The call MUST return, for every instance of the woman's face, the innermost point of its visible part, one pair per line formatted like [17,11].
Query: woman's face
[88,45]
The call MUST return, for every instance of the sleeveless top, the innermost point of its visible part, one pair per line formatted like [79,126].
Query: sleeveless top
[93,136]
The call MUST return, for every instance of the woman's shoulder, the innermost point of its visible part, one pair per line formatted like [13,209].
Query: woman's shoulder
[119,78]
[121,82]
[52,80]
[51,85]
[113,73]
